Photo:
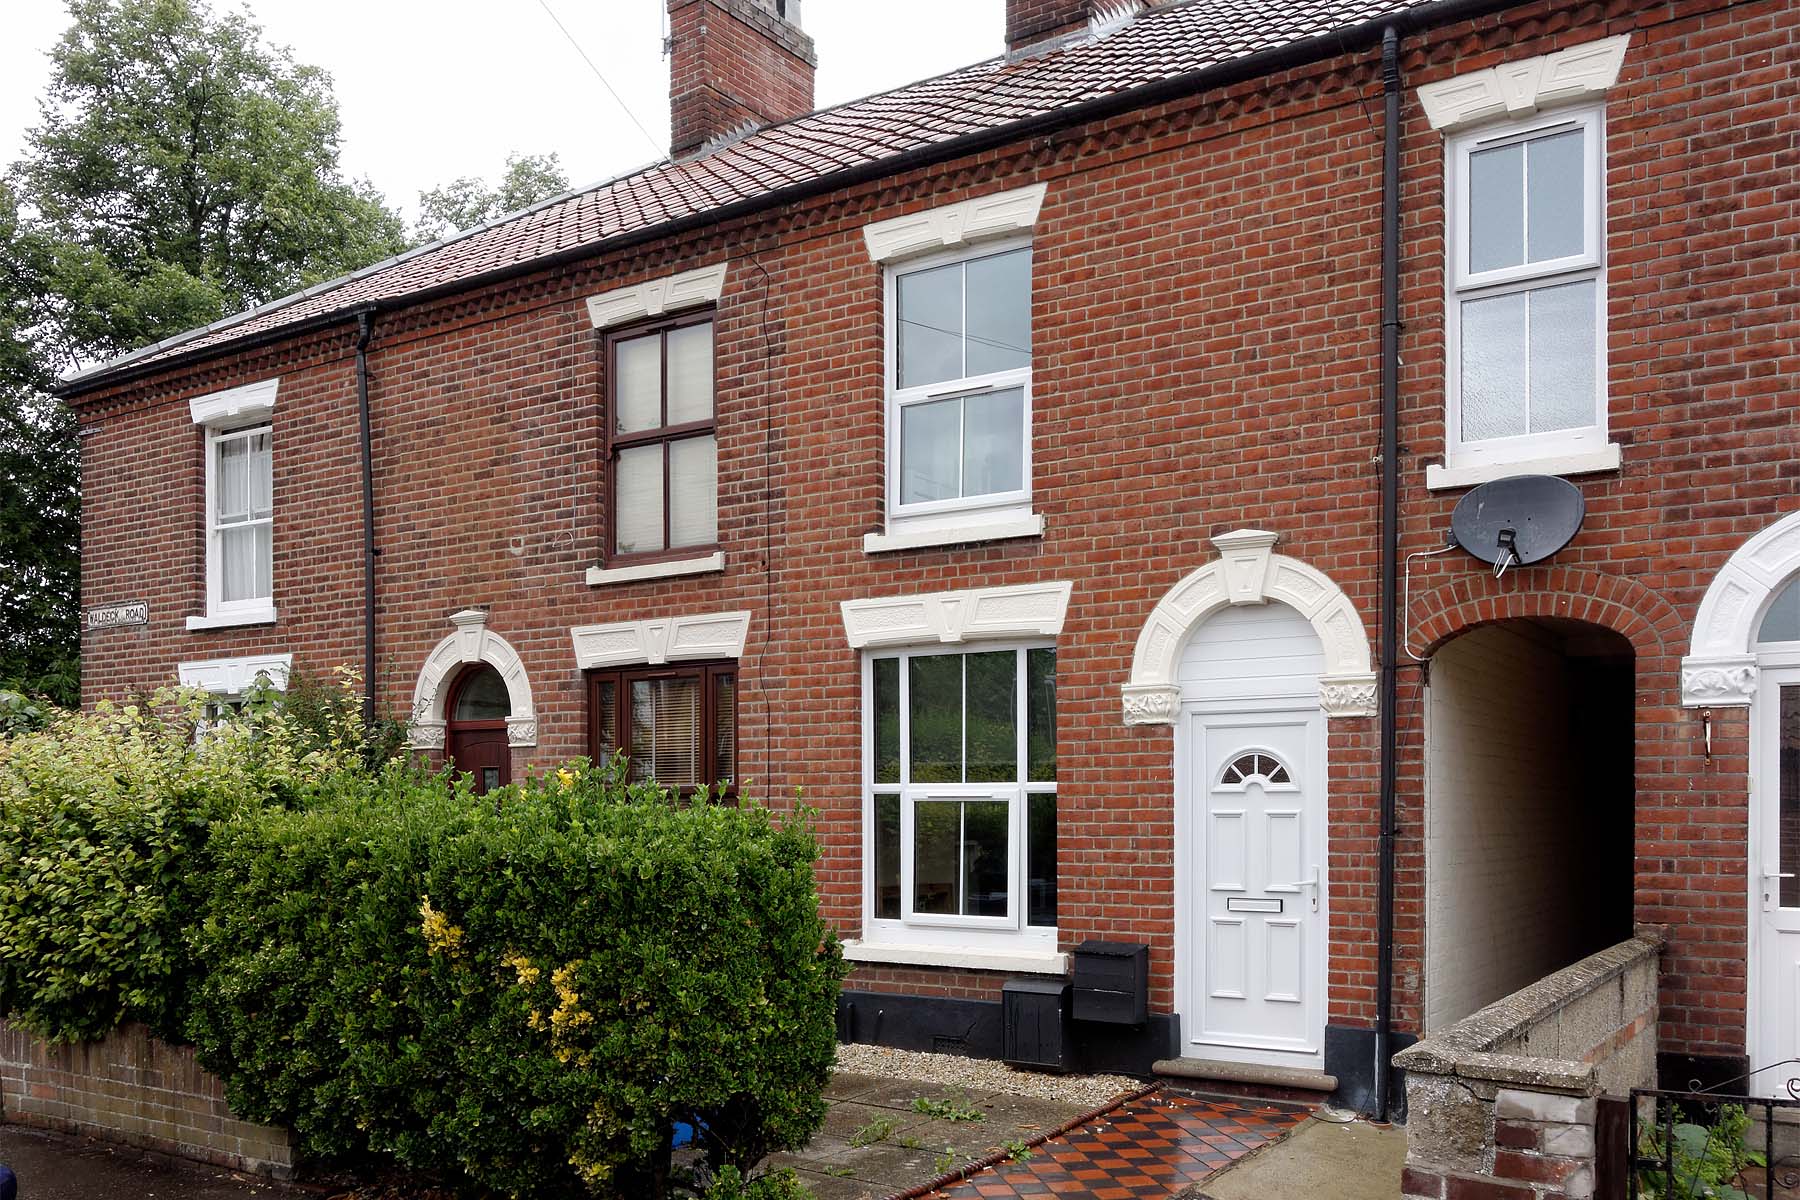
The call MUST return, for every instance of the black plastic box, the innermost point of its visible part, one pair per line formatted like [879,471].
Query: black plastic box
[1112,982]
[1036,1033]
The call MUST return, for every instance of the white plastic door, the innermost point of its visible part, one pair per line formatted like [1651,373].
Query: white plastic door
[1257,991]
[1775,871]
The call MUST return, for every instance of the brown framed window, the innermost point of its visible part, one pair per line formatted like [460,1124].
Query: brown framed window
[677,725]
[662,447]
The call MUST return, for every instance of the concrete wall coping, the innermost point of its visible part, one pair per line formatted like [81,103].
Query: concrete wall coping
[1467,1049]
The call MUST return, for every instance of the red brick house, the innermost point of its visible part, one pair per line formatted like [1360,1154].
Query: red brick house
[1002,460]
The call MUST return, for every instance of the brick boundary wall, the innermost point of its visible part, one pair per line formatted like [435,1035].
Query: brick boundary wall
[130,1087]
[1503,1105]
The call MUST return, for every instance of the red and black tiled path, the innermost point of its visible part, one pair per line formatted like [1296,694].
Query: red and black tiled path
[1153,1146]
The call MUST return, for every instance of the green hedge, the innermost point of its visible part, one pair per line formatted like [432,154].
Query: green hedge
[518,994]
[526,991]
[103,822]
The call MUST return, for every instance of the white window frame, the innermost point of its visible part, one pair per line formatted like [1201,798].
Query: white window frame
[1009,934]
[996,507]
[257,609]
[1565,451]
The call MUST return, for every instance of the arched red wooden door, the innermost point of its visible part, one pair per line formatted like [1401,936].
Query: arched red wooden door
[478,707]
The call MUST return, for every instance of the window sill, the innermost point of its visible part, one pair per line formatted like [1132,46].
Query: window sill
[601,576]
[253,616]
[1019,962]
[1583,462]
[953,531]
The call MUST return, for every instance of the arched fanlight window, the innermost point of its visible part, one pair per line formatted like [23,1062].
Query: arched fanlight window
[482,696]
[1782,622]
[1247,768]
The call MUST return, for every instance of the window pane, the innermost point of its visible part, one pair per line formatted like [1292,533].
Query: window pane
[691,373]
[994,443]
[694,491]
[1493,367]
[1782,622]
[929,451]
[637,384]
[992,723]
[930,325]
[887,720]
[937,856]
[639,506]
[1040,715]
[264,564]
[1562,357]
[665,731]
[642,747]
[482,697]
[262,483]
[985,877]
[233,480]
[1555,177]
[887,857]
[935,716]
[237,563]
[1497,208]
[1040,859]
[606,720]
[1788,768]
[999,337]
[725,730]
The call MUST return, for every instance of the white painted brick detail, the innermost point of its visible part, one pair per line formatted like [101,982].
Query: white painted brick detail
[1570,1141]
[1510,1104]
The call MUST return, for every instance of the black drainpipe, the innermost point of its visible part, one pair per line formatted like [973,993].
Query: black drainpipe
[365,329]
[1390,553]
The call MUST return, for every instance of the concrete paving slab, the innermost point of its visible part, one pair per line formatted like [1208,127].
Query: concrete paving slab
[1352,1161]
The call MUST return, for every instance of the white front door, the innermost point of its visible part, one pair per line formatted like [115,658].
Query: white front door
[1775,877]
[1253,960]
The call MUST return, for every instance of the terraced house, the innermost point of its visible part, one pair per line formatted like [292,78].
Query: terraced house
[1047,467]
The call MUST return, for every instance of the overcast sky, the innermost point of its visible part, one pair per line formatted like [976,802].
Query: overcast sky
[435,89]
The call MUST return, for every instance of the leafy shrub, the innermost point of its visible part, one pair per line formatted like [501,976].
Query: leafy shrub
[528,994]
[326,713]
[1707,1161]
[103,822]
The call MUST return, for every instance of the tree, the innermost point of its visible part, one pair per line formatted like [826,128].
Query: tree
[183,170]
[39,492]
[467,202]
[189,171]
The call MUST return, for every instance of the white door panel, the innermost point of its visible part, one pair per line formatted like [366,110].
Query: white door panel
[1255,784]
[1775,876]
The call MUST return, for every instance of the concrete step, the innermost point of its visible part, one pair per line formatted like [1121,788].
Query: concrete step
[1207,1070]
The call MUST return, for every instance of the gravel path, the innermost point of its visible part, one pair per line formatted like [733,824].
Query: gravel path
[980,1073]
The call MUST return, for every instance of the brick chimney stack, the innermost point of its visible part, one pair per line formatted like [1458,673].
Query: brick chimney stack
[733,62]
[1029,22]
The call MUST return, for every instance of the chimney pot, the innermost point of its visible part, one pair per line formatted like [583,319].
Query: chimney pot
[732,63]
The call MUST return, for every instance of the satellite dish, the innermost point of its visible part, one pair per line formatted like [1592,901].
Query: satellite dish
[1518,521]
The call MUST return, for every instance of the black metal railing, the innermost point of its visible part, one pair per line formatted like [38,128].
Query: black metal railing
[1703,1143]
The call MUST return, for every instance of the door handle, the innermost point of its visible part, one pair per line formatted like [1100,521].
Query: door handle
[1778,874]
[1312,883]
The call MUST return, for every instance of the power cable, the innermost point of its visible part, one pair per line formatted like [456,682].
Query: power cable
[618,99]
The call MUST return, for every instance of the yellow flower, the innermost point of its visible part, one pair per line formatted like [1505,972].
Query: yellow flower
[567,778]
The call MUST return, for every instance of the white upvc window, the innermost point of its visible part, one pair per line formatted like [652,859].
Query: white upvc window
[240,520]
[1526,302]
[960,797]
[959,386]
